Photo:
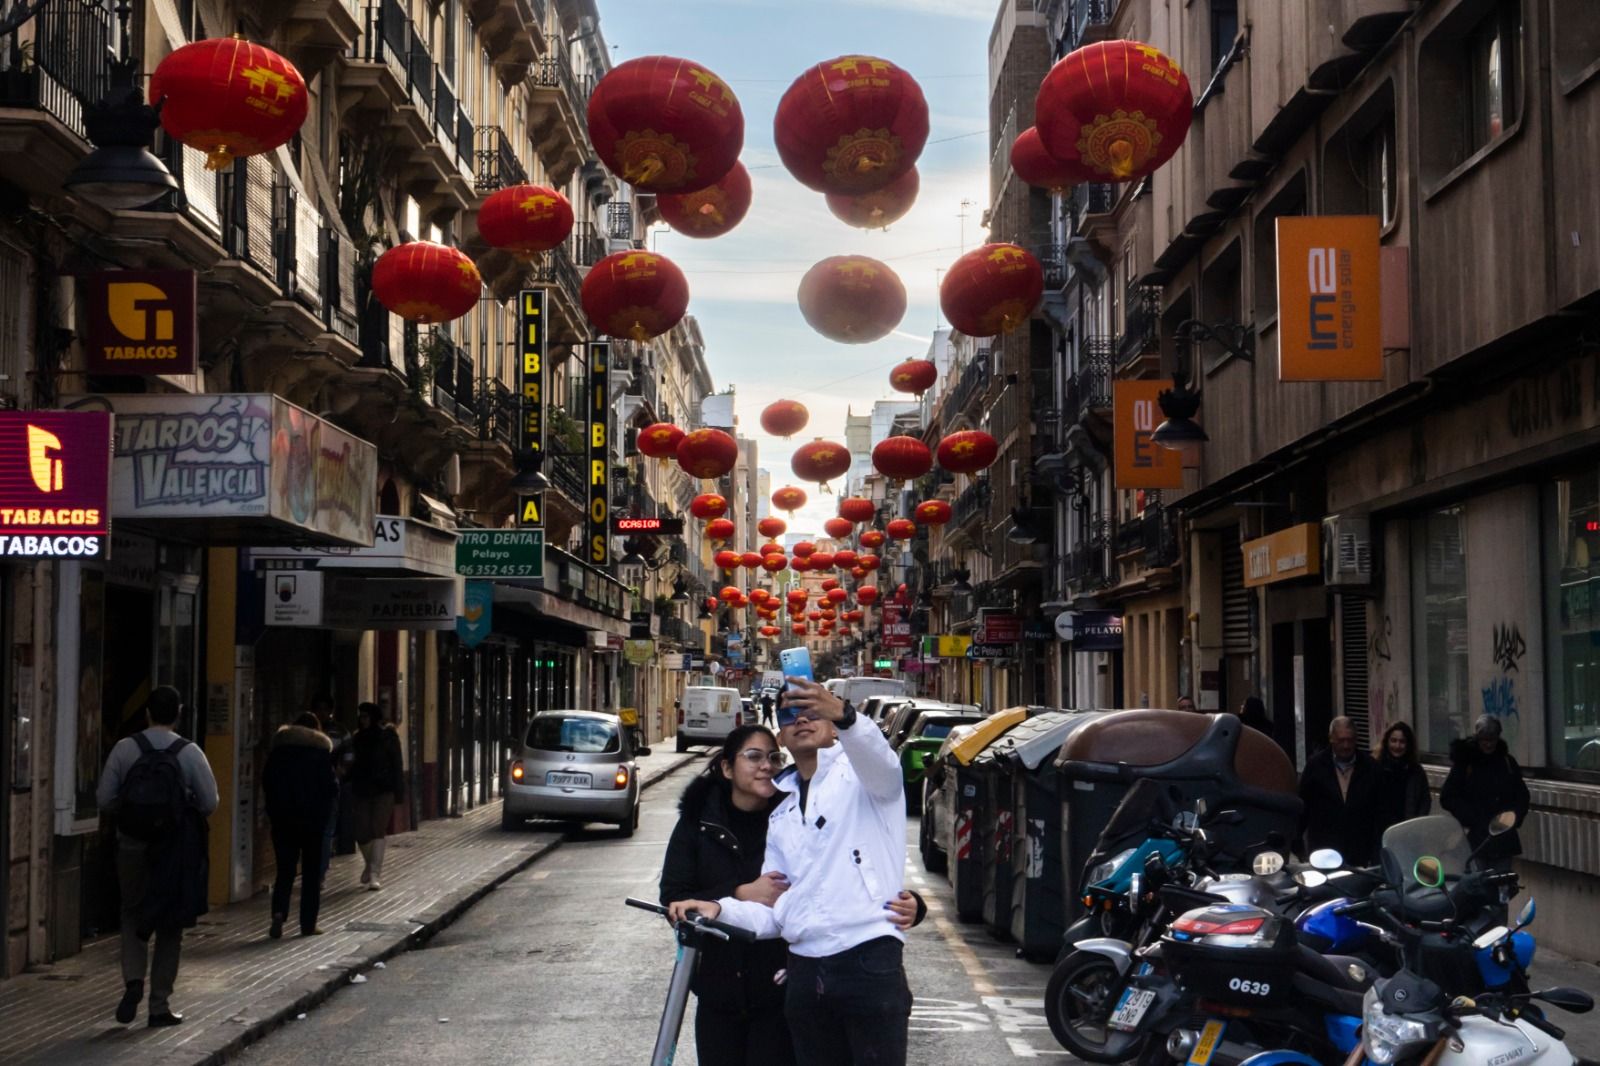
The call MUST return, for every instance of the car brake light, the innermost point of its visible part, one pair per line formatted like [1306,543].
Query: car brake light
[516,771]
[621,780]
[738,719]
[1206,927]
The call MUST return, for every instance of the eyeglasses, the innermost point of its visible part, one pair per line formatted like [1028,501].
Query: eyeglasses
[757,756]
[788,718]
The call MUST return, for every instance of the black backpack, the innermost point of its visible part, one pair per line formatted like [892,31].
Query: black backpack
[154,795]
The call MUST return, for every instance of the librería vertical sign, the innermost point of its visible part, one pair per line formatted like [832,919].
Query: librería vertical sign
[599,524]
[532,348]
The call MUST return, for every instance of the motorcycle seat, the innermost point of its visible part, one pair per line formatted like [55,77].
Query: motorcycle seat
[1336,971]
[1333,998]
[1420,904]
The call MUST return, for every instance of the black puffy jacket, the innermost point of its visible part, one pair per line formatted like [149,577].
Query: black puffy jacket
[298,778]
[1481,786]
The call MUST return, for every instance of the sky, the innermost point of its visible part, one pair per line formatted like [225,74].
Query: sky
[742,285]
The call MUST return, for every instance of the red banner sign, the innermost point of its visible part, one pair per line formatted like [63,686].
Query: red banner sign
[141,322]
[55,475]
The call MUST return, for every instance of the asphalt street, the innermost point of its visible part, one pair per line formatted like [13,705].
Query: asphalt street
[551,969]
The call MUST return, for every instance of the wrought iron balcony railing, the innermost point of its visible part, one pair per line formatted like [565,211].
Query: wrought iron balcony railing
[66,66]
[1089,389]
[1142,319]
[497,162]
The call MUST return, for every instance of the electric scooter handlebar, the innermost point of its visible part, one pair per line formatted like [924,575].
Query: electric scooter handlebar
[709,926]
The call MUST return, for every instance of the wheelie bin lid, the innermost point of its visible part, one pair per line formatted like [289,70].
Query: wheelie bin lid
[1038,738]
[1181,744]
[985,733]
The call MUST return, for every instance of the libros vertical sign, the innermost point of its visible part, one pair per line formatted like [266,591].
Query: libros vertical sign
[599,454]
[531,305]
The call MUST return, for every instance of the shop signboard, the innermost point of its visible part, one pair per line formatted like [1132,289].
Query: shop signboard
[402,545]
[664,527]
[598,552]
[1330,319]
[327,600]
[1090,630]
[989,651]
[1141,463]
[1284,555]
[476,619]
[500,553]
[896,627]
[998,628]
[532,347]
[140,322]
[55,468]
[952,647]
[250,459]
[638,652]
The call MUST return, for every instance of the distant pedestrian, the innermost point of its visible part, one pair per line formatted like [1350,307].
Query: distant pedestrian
[1185,704]
[1337,789]
[301,791]
[1485,781]
[1253,713]
[160,788]
[769,700]
[1402,788]
[377,777]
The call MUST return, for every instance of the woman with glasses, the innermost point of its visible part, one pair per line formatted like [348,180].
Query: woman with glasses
[715,851]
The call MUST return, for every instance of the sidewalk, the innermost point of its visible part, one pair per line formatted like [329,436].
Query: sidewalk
[1550,969]
[235,984]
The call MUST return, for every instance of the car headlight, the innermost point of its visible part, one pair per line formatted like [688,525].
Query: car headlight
[1109,867]
[1387,1038]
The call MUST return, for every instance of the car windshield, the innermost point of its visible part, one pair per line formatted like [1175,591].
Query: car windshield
[936,730]
[1438,835]
[586,736]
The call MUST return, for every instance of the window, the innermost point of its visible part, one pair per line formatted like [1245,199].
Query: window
[1492,48]
[1291,200]
[1575,32]
[1359,174]
[1444,698]
[1220,296]
[1224,28]
[1572,598]
[584,736]
[1469,83]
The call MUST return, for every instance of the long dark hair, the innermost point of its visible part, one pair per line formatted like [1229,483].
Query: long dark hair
[732,746]
[1411,743]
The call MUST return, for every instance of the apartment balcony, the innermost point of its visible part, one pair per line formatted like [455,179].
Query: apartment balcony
[970,512]
[1088,566]
[312,33]
[497,162]
[566,471]
[619,222]
[558,117]
[454,390]
[961,402]
[588,245]
[48,81]
[1137,349]
[557,270]
[1089,389]
[511,32]
[1053,258]
[1089,21]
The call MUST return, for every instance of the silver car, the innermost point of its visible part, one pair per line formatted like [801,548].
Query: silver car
[573,766]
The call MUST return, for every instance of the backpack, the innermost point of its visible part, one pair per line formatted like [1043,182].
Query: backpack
[154,796]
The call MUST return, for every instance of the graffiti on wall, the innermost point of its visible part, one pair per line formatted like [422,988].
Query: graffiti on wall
[1509,647]
[1500,699]
[1383,697]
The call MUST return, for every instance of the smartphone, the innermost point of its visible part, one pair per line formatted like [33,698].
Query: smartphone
[795,662]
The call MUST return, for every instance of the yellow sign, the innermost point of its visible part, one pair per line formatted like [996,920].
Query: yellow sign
[953,647]
[1141,463]
[628,716]
[1330,322]
[1284,555]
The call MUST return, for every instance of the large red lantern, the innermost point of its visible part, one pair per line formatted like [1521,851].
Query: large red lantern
[771,547]
[968,451]
[856,615]
[772,564]
[804,549]
[635,294]
[228,98]
[932,512]
[820,461]
[851,125]
[798,596]
[730,594]
[868,562]
[1036,166]
[1120,107]
[844,558]
[707,453]
[838,528]
[525,220]
[711,603]
[660,440]
[719,530]
[901,458]
[712,211]
[852,299]
[726,559]
[759,597]
[426,283]
[901,529]
[772,526]
[789,498]
[867,594]
[750,560]
[871,538]
[991,290]
[855,509]
[858,571]
[880,208]
[837,595]
[914,375]
[828,586]
[769,631]
[799,564]
[664,124]
[708,505]
[821,561]
[798,629]
[784,418]
[814,615]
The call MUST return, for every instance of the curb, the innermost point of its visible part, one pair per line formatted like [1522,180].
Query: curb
[318,987]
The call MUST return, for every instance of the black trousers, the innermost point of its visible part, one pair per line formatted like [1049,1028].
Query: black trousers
[740,1038]
[297,845]
[850,1009]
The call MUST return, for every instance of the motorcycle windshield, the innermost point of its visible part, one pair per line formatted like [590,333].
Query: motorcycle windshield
[1438,835]
[1147,801]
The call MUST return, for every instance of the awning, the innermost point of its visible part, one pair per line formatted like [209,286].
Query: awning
[528,599]
[400,547]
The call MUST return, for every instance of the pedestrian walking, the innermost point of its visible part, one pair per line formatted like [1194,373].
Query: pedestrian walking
[377,779]
[837,837]
[1253,713]
[300,789]
[1337,789]
[1484,781]
[1186,704]
[769,701]
[160,788]
[1401,792]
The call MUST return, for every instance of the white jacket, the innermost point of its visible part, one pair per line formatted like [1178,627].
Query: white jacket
[844,856]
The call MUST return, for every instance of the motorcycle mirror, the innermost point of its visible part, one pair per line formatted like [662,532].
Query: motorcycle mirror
[1310,878]
[1568,999]
[1326,859]
[1525,916]
[1428,871]
[1504,822]
[1490,937]
[1135,888]
[1267,863]
[1200,807]
[642,751]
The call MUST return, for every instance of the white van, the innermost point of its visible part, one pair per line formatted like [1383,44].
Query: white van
[707,715]
[855,690]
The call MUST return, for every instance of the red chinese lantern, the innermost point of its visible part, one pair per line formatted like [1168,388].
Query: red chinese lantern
[798,629]
[821,561]
[829,614]
[789,499]
[1120,107]
[708,505]
[772,526]
[712,211]
[803,549]
[855,615]
[229,98]
[707,453]
[635,294]
[799,564]
[525,220]
[660,440]
[759,597]
[857,509]
[719,530]
[851,125]
[750,560]
[663,124]
[914,375]
[798,596]
[1035,165]
[901,529]
[771,547]
[726,560]
[784,418]
[828,585]
[837,595]
[991,290]
[814,615]
[858,572]
[901,458]
[868,563]
[844,559]
[730,593]
[426,283]
[769,631]
[820,461]
[773,564]
[711,603]
[871,538]
[932,512]
[867,594]
[880,208]
[852,299]
[838,528]
[968,451]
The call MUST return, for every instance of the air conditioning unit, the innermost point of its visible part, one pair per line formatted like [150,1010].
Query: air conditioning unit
[1347,550]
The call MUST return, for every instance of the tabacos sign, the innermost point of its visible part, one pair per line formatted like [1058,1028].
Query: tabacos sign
[55,474]
[141,322]
[1330,322]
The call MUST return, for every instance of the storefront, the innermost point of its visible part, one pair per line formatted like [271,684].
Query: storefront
[1285,569]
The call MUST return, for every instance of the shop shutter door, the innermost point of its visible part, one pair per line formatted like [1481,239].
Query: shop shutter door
[1353,665]
[1236,636]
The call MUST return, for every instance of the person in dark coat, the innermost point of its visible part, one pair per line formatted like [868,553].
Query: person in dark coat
[1485,780]
[300,789]
[1253,713]
[377,778]
[1401,792]
[1338,788]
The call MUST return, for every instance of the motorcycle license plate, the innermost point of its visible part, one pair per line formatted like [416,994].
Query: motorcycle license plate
[1206,1046]
[1131,1009]
[567,780]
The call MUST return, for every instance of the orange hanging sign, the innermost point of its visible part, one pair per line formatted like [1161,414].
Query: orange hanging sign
[1330,322]
[1141,463]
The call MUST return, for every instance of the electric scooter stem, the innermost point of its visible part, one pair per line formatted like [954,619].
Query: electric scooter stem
[689,933]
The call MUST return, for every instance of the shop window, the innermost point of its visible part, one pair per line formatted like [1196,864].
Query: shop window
[1291,200]
[1572,597]
[1470,77]
[1575,32]
[1444,698]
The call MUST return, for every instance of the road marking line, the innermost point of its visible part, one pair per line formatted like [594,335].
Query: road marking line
[964,955]
[538,875]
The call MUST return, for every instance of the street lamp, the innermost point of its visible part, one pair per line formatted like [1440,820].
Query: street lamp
[680,591]
[1180,432]
[961,595]
[630,568]
[530,479]
[1024,527]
